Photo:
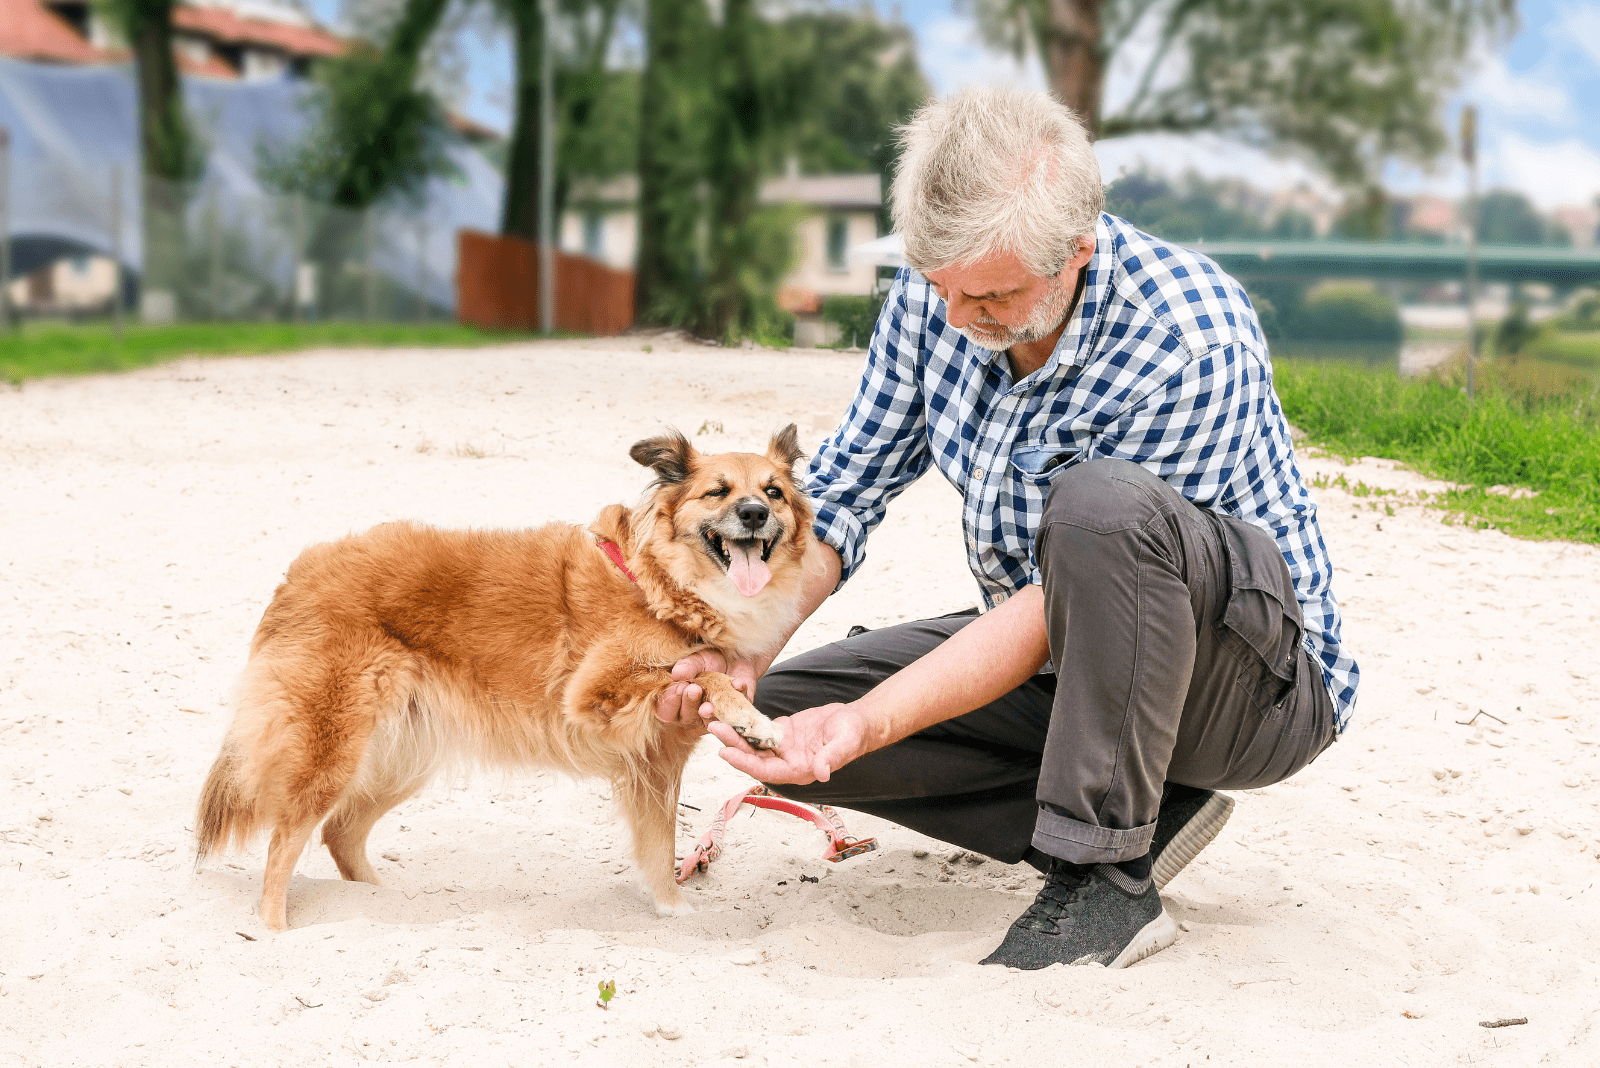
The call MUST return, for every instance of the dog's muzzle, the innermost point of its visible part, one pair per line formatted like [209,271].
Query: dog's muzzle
[741,540]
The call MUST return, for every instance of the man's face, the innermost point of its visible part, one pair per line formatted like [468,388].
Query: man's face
[995,302]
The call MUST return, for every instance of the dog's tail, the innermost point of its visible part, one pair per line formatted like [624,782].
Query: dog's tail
[228,817]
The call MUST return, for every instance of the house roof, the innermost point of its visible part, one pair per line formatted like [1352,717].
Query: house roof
[220,24]
[860,191]
[29,31]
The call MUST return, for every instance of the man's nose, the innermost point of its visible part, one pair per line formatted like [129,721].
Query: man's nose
[960,310]
[752,513]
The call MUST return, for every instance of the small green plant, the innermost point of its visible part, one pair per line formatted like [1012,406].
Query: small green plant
[608,990]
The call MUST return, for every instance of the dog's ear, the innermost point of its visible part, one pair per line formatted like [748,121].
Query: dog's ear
[669,455]
[784,449]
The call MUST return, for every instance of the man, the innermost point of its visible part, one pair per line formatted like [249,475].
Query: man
[1158,622]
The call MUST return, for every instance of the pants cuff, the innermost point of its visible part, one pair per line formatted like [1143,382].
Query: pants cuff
[1083,843]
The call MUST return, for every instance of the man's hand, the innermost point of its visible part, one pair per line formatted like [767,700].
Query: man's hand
[816,743]
[683,702]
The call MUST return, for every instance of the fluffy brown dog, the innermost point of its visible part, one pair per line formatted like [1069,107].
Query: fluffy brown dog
[388,655]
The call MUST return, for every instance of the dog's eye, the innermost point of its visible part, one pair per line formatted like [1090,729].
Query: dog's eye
[775,493]
[719,492]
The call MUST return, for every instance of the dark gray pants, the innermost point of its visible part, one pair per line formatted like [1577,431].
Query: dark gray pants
[1176,641]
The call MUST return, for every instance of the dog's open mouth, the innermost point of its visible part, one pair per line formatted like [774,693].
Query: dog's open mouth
[745,561]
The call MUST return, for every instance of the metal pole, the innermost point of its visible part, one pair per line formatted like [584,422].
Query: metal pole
[5,228]
[298,255]
[216,259]
[547,177]
[1469,152]
[422,267]
[372,275]
[116,252]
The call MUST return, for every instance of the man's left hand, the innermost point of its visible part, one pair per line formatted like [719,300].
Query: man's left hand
[816,743]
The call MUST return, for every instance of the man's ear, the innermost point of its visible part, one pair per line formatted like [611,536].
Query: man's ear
[669,454]
[784,449]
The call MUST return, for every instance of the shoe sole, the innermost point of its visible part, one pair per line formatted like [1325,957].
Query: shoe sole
[1154,936]
[1192,837]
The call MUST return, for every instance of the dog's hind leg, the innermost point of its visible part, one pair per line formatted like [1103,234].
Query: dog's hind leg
[649,797]
[283,852]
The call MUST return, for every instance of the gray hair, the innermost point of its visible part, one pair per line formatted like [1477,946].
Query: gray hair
[994,169]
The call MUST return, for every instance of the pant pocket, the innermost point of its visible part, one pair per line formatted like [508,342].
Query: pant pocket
[1261,623]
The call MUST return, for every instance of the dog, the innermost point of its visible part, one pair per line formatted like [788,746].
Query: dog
[389,655]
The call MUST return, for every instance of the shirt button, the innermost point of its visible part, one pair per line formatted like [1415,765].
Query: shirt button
[978,473]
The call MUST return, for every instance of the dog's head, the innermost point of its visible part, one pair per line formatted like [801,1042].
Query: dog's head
[735,518]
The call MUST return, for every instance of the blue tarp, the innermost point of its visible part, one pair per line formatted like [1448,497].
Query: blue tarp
[71,126]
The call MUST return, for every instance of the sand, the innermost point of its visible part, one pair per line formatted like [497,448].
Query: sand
[1424,875]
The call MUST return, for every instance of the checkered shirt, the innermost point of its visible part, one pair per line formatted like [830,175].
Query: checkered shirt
[1162,363]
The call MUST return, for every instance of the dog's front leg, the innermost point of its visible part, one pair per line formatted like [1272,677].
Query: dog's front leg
[737,712]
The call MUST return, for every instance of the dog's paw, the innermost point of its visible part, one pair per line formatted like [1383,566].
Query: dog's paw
[680,907]
[762,734]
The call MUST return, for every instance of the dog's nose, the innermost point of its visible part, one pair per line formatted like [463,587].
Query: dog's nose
[752,513]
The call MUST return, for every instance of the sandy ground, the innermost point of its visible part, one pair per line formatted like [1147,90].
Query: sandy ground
[1423,876]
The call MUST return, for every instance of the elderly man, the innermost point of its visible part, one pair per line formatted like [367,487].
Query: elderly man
[1159,623]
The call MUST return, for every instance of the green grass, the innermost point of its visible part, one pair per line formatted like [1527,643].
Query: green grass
[1511,436]
[41,349]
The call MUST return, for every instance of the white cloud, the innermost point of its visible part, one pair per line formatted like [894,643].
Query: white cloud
[1529,93]
[1580,26]
[954,56]
[1208,155]
[1551,173]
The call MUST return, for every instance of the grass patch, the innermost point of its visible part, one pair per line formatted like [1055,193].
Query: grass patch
[1511,437]
[38,350]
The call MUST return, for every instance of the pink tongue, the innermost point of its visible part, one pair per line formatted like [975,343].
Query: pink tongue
[749,572]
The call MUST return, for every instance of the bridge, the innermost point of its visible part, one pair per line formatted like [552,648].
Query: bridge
[1561,267]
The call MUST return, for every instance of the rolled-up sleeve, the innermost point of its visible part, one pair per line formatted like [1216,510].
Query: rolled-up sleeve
[881,446]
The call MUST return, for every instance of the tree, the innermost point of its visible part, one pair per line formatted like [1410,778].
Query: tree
[1350,82]
[1509,218]
[168,146]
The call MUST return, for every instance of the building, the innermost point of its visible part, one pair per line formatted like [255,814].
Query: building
[838,212]
[227,39]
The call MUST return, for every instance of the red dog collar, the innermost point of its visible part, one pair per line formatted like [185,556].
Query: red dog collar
[611,550]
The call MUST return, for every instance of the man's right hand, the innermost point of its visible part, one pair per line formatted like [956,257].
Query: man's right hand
[683,701]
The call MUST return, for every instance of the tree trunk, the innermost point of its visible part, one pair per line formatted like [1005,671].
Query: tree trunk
[1074,57]
[671,110]
[162,131]
[520,217]
[734,165]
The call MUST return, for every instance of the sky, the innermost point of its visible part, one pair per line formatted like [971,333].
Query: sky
[1538,97]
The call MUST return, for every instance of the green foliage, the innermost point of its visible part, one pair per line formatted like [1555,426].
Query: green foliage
[608,990]
[1514,331]
[1507,437]
[1351,82]
[373,134]
[42,349]
[1347,312]
[1509,218]
[170,151]
[1190,210]
[856,316]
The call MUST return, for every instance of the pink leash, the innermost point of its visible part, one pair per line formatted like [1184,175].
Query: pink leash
[840,843]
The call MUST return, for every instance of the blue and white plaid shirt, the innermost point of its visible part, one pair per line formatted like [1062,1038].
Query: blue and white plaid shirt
[1162,363]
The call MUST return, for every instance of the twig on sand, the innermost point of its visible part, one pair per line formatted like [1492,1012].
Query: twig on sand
[1481,712]
[302,1001]
[247,938]
[1509,1021]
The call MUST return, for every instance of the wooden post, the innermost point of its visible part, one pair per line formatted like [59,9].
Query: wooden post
[547,177]
[1469,153]
[116,252]
[5,228]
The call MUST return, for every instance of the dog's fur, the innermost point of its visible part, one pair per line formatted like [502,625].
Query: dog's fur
[388,655]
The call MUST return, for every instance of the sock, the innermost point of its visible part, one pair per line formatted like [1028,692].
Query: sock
[1137,869]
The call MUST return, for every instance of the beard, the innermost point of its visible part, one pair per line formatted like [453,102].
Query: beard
[1047,314]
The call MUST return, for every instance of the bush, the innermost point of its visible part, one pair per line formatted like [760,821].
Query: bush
[1347,313]
[856,317]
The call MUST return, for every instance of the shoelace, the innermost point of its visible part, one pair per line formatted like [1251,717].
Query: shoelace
[1056,898]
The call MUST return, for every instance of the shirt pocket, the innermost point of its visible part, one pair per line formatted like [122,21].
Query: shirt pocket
[1262,621]
[1039,464]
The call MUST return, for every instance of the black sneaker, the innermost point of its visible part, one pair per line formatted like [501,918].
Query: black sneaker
[1087,915]
[1189,819]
